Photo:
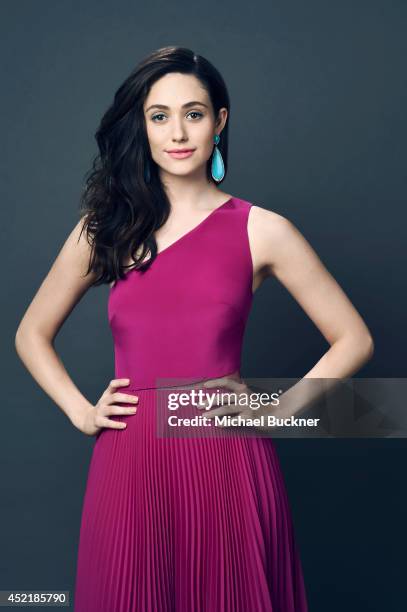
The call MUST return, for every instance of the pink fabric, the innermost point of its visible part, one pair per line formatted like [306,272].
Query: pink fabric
[188,524]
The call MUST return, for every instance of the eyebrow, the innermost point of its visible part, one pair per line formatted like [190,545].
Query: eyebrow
[186,105]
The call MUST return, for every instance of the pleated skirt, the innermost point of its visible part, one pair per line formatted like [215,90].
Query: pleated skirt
[185,525]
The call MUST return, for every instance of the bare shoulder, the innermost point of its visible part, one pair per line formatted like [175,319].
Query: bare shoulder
[270,233]
[78,239]
[267,222]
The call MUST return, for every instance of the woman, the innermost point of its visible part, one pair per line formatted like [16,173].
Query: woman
[188,524]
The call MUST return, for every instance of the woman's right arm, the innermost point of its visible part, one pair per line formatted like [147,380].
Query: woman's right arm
[61,290]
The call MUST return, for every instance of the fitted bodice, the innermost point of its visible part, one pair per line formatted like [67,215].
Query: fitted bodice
[185,316]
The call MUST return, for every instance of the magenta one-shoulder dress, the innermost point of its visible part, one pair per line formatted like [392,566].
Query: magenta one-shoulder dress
[185,524]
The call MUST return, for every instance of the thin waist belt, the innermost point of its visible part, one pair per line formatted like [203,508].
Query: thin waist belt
[183,386]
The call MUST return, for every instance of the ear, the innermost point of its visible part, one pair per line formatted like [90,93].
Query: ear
[222,118]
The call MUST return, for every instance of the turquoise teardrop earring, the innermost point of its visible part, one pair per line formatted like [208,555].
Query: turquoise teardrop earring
[217,167]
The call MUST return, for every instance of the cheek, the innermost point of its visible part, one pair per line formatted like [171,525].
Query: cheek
[207,148]
[206,133]
[153,138]
[209,134]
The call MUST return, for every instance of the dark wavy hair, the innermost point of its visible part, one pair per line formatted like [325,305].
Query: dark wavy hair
[121,210]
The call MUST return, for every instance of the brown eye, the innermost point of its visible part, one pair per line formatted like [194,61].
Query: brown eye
[196,113]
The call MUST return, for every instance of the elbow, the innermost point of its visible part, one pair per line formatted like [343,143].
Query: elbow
[367,347]
[22,339]
[28,337]
[18,341]
[361,346]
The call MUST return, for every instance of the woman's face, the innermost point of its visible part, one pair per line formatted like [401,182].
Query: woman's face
[179,115]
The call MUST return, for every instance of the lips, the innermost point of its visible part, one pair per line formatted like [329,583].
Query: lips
[179,150]
[180,153]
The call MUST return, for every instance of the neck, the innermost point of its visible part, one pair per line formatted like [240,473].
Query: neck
[190,194]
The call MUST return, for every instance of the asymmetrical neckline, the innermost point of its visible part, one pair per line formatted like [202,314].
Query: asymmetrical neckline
[181,238]
[194,229]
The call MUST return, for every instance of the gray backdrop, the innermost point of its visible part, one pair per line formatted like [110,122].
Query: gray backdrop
[317,134]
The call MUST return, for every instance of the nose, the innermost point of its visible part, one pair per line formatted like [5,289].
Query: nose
[179,132]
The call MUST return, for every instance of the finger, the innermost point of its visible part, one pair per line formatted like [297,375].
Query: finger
[228,383]
[207,405]
[214,382]
[224,411]
[199,406]
[224,397]
[121,409]
[105,422]
[123,397]
[118,382]
[210,382]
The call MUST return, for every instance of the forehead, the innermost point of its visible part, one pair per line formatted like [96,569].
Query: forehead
[175,88]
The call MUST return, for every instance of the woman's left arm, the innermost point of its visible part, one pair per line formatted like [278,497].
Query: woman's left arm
[279,249]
